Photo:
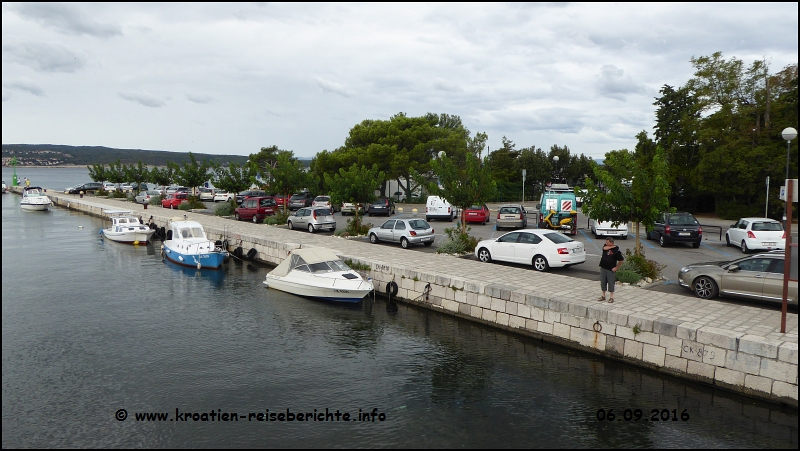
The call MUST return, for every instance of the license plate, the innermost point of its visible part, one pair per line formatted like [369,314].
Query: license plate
[768,244]
[575,251]
[427,239]
[684,234]
[472,214]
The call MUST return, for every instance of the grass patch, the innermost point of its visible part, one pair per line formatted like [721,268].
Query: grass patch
[457,242]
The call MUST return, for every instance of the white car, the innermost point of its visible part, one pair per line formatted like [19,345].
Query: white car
[206,193]
[110,187]
[606,228]
[323,201]
[223,196]
[756,234]
[538,247]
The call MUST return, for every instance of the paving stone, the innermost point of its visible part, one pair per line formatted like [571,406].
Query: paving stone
[787,352]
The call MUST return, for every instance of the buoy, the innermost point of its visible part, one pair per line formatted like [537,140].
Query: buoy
[391,289]
[136,243]
[251,253]
[198,265]
[238,252]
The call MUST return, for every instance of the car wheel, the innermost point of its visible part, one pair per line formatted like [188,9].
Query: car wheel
[540,263]
[624,237]
[311,228]
[705,288]
[594,232]
[428,218]
[484,255]
[647,236]
[696,245]
[236,216]
[289,224]
[373,238]
[744,247]
[255,219]
[428,243]
[404,243]
[727,240]
[661,241]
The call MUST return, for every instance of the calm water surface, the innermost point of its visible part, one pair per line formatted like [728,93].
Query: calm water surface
[92,327]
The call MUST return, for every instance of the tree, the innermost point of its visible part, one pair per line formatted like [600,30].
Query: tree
[234,178]
[288,175]
[192,174]
[357,184]
[116,173]
[539,169]
[137,174]
[463,185]
[629,188]
[163,176]
[97,172]
[266,160]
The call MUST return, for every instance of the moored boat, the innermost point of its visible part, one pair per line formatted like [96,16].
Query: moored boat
[127,228]
[34,199]
[320,274]
[187,245]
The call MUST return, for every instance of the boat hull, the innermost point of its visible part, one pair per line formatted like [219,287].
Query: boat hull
[347,293]
[34,207]
[130,237]
[211,260]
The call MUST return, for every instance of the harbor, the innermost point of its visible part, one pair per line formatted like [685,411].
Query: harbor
[734,347]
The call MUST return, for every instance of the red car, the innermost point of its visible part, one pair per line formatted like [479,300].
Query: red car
[175,199]
[477,213]
[256,208]
[280,199]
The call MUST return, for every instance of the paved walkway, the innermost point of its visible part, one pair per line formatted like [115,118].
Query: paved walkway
[628,300]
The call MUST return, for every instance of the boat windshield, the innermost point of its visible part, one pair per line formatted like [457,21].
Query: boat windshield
[329,266]
[192,232]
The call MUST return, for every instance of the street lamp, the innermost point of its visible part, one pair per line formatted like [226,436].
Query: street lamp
[555,168]
[788,134]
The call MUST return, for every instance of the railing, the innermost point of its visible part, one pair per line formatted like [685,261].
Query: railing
[718,227]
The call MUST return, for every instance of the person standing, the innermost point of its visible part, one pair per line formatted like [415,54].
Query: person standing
[610,262]
[27,182]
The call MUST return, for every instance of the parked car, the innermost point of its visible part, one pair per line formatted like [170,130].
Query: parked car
[144,196]
[312,219]
[477,213]
[110,187]
[223,196]
[256,208]
[349,208]
[439,208]
[757,277]
[541,248]
[206,194]
[323,201]
[174,200]
[512,215]
[756,234]
[679,227]
[125,187]
[300,200]
[403,231]
[249,193]
[607,228]
[176,189]
[280,199]
[381,206]
[85,187]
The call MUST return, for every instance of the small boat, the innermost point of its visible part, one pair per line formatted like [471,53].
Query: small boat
[320,274]
[34,199]
[187,245]
[127,228]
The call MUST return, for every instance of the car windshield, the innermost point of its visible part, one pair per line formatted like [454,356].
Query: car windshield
[767,227]
[323,199]
[475,207]
[509,211]
[419,224]
[682,220]
[558,238]
[268,202]
[324,211]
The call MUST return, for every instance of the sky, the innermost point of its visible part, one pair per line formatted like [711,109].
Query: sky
[232,78]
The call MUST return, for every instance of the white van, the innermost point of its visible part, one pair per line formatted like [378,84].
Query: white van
[439,208]
[606,228]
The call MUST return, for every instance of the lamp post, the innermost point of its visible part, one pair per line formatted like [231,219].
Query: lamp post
[788,134]
[555,168]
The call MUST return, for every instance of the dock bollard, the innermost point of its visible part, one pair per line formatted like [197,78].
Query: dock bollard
[81,194]
[145,205]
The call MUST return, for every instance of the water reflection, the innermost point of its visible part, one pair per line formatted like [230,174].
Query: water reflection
[214,276]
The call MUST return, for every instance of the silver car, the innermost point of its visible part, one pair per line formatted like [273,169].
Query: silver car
[144,196]
[512,215]
[312,219]
[757,277]
[404,231]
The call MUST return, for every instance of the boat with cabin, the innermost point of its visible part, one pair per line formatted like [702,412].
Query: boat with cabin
[186,244]
[34,199]
[320,274]
[127,228]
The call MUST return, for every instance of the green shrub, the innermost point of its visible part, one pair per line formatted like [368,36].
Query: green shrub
[628,276]
[736,210]
[226,209]
[643,266]
[457,242]
[362,230]
[154,200]
[279,218]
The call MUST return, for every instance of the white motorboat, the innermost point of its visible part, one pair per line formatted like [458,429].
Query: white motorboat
[318,273]
[187,245]
[127,228]
[34,199]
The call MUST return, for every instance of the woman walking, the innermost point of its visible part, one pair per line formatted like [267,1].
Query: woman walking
[610,262]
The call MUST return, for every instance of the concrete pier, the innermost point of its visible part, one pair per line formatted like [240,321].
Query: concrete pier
[735,347]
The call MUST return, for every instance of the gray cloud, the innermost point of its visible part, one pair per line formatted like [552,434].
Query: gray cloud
[143,99]
[67,19]
[199,99]
[43,57]
[336,88]
[612,82]
[26,85]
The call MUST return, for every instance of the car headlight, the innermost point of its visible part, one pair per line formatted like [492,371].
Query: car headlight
[685,269]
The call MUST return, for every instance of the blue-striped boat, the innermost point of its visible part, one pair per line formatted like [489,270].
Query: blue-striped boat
[187,245]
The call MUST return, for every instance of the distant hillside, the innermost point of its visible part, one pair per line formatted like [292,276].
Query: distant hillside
[58,155]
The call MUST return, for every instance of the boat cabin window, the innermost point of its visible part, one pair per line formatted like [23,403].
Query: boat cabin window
[122,220]
[303,268]
[339,265]
[319,267]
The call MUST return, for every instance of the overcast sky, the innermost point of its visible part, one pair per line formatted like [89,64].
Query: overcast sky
[232,78]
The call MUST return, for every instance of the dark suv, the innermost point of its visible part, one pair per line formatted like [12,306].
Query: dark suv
[249,193]
[678,227]
[381,206]
[86,188]
[300,200]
